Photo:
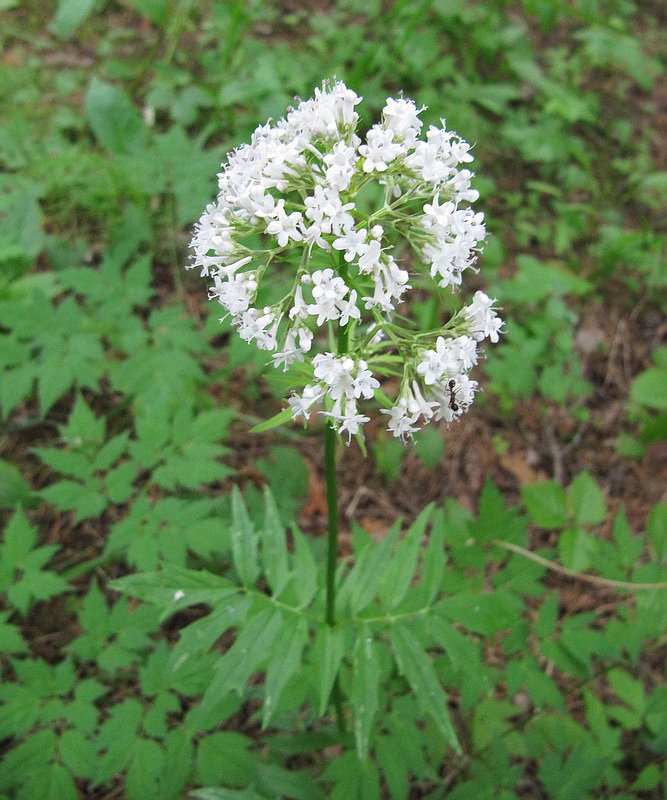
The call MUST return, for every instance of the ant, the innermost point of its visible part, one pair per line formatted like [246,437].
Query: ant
[452,398]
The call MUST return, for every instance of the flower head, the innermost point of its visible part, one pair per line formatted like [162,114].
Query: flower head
[294,257]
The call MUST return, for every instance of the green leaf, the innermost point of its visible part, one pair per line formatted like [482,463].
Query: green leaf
[328,652]
[142,778]
[70,14]
[279,419]
[304,568]
[650,388]
[115,121]
[116,739]
[155,10]
[433,570]
[587,500]
[284,659]
[577,549]
[417,668]
[53,782]
[11,640]
[21,573]
[198,637]
[244,541]
[14,488]
[223,757]
[400,571]
[250,650]
[179,754]
[366,575]
[546,503]
[32,755]
[274,547]
[78,754]
[629,690]
[364,695]
[657,530]
[83,427]
[175,588]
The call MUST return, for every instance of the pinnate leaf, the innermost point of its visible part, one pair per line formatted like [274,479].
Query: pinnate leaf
[416,666]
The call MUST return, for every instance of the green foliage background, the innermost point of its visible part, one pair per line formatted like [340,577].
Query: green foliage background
[124,407]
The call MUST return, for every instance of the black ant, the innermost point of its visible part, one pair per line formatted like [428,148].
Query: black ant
[452,398]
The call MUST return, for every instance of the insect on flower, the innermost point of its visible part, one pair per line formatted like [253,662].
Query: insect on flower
[297,263]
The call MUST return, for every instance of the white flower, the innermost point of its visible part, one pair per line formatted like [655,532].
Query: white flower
[352,242]
[380,149]
[294,223]
[483,320]
[285,226]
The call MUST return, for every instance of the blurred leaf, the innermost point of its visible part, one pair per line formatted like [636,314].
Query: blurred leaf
[588,503]
[546,503]
[14,488]
[70,14]
[115,121]
[155,10]
[650,388]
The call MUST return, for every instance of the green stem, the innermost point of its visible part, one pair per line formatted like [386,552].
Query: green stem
[332,512]
[332,508]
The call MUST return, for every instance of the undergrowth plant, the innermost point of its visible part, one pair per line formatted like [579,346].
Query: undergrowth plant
[167,629]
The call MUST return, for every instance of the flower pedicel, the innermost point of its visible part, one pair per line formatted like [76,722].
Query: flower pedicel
[292,246]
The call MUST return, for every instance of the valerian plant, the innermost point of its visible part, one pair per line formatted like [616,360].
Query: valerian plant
[314,241]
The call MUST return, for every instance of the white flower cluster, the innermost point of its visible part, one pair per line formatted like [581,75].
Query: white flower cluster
[314,227]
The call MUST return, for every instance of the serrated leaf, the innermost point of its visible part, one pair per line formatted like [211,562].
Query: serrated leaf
[244,541]
[588,503]
[11,640]
[14,488]
[283,661]
[179,753]
[304,569]
[78,753]
[274,546]
[142,778]
[82,427]
[400,572]
[116,738]
[417,668]
[67,462]
[175,588]
[328,652]
[52,782]
[364,695]
[577,549]
[546,503]
[198,637]
[244,657]
[433,569]
[366,575]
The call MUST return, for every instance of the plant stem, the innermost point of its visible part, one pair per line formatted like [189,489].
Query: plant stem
[332,552]
[332,515]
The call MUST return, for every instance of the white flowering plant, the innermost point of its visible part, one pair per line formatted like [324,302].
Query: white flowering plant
[314,271]
[315,240]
